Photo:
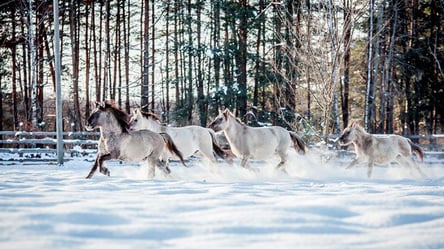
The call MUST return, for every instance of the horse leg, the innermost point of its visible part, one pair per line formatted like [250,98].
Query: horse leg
[93,168]
[244,164]
[369,168]
[416,166]
[281,165]
[161,165]
[353,163]
[99,163]
[208,154]
[410,163]
[150,165]
[104,170]
[244,161]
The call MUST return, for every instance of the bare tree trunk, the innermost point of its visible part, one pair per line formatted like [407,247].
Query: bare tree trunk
[144,101]
[242,61]
[153,50]
[378,61]
[106,68]
[346,80]
[277,21]
[201,102]
[126,44]
[369,96]
[176,53]
[308,67]
[258,68]
[14,75]
[74,35]
[216,45]
[97,66]
[390,70]
[189,94]
[87,60]
[116,56]
[40,60]
[167,63]
[26,80]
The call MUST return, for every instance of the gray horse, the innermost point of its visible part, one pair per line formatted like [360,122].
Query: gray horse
[380,150]
[248,142]
[189,139]
[118,142]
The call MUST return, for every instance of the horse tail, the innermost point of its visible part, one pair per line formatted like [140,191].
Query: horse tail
[416,150]
[298,143]
[171,146]
[216,148]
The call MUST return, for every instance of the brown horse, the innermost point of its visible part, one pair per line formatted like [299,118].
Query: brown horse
[118,142]
[380,149]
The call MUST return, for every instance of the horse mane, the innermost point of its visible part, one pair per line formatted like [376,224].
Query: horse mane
[150,115]
[228,112]
[358,127]
[121,116]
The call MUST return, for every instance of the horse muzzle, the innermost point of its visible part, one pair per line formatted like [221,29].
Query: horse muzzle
[344,141]
[89,127]
[215,128]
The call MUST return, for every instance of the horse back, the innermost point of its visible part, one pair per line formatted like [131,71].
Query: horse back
[274,136]
[390,146]
[137,145]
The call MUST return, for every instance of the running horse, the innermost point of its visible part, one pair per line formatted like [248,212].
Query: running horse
[189,139]
[118,142]
[248,142]
[380,149]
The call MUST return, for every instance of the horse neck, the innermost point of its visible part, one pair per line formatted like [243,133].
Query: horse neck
[110,131]
[233,127]
[363,140]
[152,124]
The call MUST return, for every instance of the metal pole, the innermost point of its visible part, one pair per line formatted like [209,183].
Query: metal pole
[33,66]
[59,102]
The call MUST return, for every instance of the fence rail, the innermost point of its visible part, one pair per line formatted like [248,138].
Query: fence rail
[41,145]
[35,145]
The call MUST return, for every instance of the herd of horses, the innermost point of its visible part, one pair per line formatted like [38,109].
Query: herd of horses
[142,137]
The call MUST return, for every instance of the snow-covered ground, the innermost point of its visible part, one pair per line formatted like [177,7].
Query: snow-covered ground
[318,205]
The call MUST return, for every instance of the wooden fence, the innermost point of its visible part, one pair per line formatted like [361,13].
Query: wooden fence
[40,145]
[24,145]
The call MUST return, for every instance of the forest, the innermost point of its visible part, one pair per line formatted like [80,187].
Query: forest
[311,66]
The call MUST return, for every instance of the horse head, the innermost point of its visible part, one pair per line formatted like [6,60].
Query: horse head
[144,120]
[136,116]
[105,114]
[350,134]
[93,120]
[220,123]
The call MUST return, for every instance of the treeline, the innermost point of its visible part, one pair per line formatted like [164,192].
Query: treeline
[307,65]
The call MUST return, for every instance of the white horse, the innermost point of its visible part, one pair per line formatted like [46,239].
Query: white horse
[256,142]
[380,150]
[189,140]
[118,142]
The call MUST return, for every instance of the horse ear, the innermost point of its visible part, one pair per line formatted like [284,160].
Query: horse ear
[99,104]
[109,103]
[352,123]
[226,112]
